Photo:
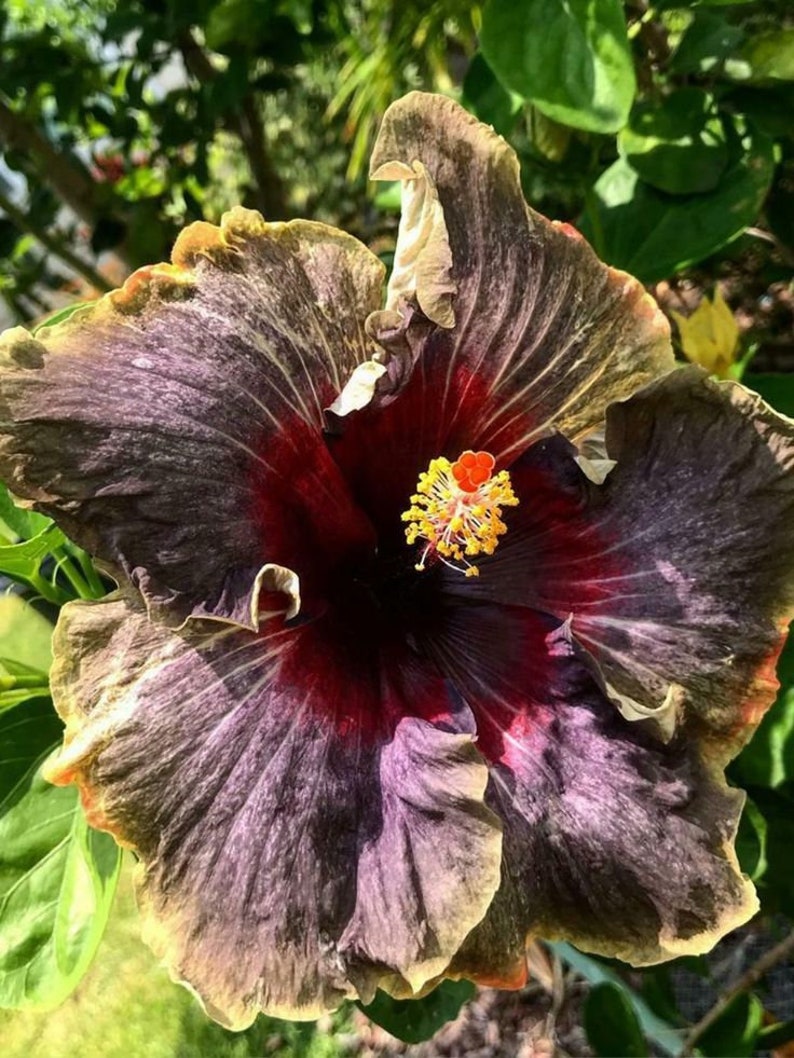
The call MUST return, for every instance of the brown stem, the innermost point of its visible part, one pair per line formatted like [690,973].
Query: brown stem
[247,124]
[64,174]
[748,980]
[272,195]
[49,242]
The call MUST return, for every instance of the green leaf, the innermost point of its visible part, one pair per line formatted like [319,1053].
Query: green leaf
[776,887]
[707,41]
[656,1029]
[19,682]
[415,1020]
[25,636]
[678,145]
[764,59]
[777,390]
[653,235]
[751,841]
[611,1024]
[57,875]
[22,525]
[25,559]
[61,315]
[571,58]
[487,99]
[734,1034]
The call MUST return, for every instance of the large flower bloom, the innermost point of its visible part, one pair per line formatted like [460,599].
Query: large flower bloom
[340,771]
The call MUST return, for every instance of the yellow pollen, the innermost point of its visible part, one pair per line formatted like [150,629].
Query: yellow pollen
[457,510]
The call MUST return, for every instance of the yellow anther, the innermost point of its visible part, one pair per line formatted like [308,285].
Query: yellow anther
[457,510]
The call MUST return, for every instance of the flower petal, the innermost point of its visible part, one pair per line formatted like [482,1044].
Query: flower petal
[173,428]
[613,840]
[678,569]
[309,821]
[518,325]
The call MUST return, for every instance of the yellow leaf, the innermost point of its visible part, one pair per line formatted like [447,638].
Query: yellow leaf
[710,336]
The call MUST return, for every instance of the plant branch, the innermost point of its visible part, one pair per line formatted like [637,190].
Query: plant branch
[55,246]
[64,174]
[748,980]
[247,124]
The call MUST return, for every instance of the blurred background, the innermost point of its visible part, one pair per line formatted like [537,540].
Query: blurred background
[663,130]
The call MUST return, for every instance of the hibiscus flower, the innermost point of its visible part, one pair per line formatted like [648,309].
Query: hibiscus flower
[436,622]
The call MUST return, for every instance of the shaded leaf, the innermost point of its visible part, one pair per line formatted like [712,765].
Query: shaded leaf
[751,841]
[707,41]
[776,887]
[611,1025]
[777,390]
[415,1020]
[571,58]
[734,1034]
[678,145]
[57,875]
[487,99]
[664,1035]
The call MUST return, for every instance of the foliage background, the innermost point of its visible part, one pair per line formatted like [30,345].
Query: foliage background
[664,130]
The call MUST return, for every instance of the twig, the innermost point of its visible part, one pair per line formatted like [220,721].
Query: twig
[246,123]
[63,172]
[49,242]
[747,981]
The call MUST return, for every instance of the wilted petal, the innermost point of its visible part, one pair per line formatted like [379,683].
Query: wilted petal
[613,840]
[174,427]
[309,821]
[676,571]
[536,332]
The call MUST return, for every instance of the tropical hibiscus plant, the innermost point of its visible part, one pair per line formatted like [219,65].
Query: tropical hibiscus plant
[439,604]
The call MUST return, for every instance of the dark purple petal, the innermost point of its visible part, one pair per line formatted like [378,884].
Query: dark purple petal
[613,840]
[310,819]
[174,427]
[676,572]
[516,323]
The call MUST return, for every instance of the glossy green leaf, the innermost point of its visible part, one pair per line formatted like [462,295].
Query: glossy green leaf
[653,235]
[487,98]
[57,875]
[571,58]
[18,524]
[25,635]
[708,40]
[415,1020]
[611,1025]
[678,145]
[24,559]
[734,1034]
